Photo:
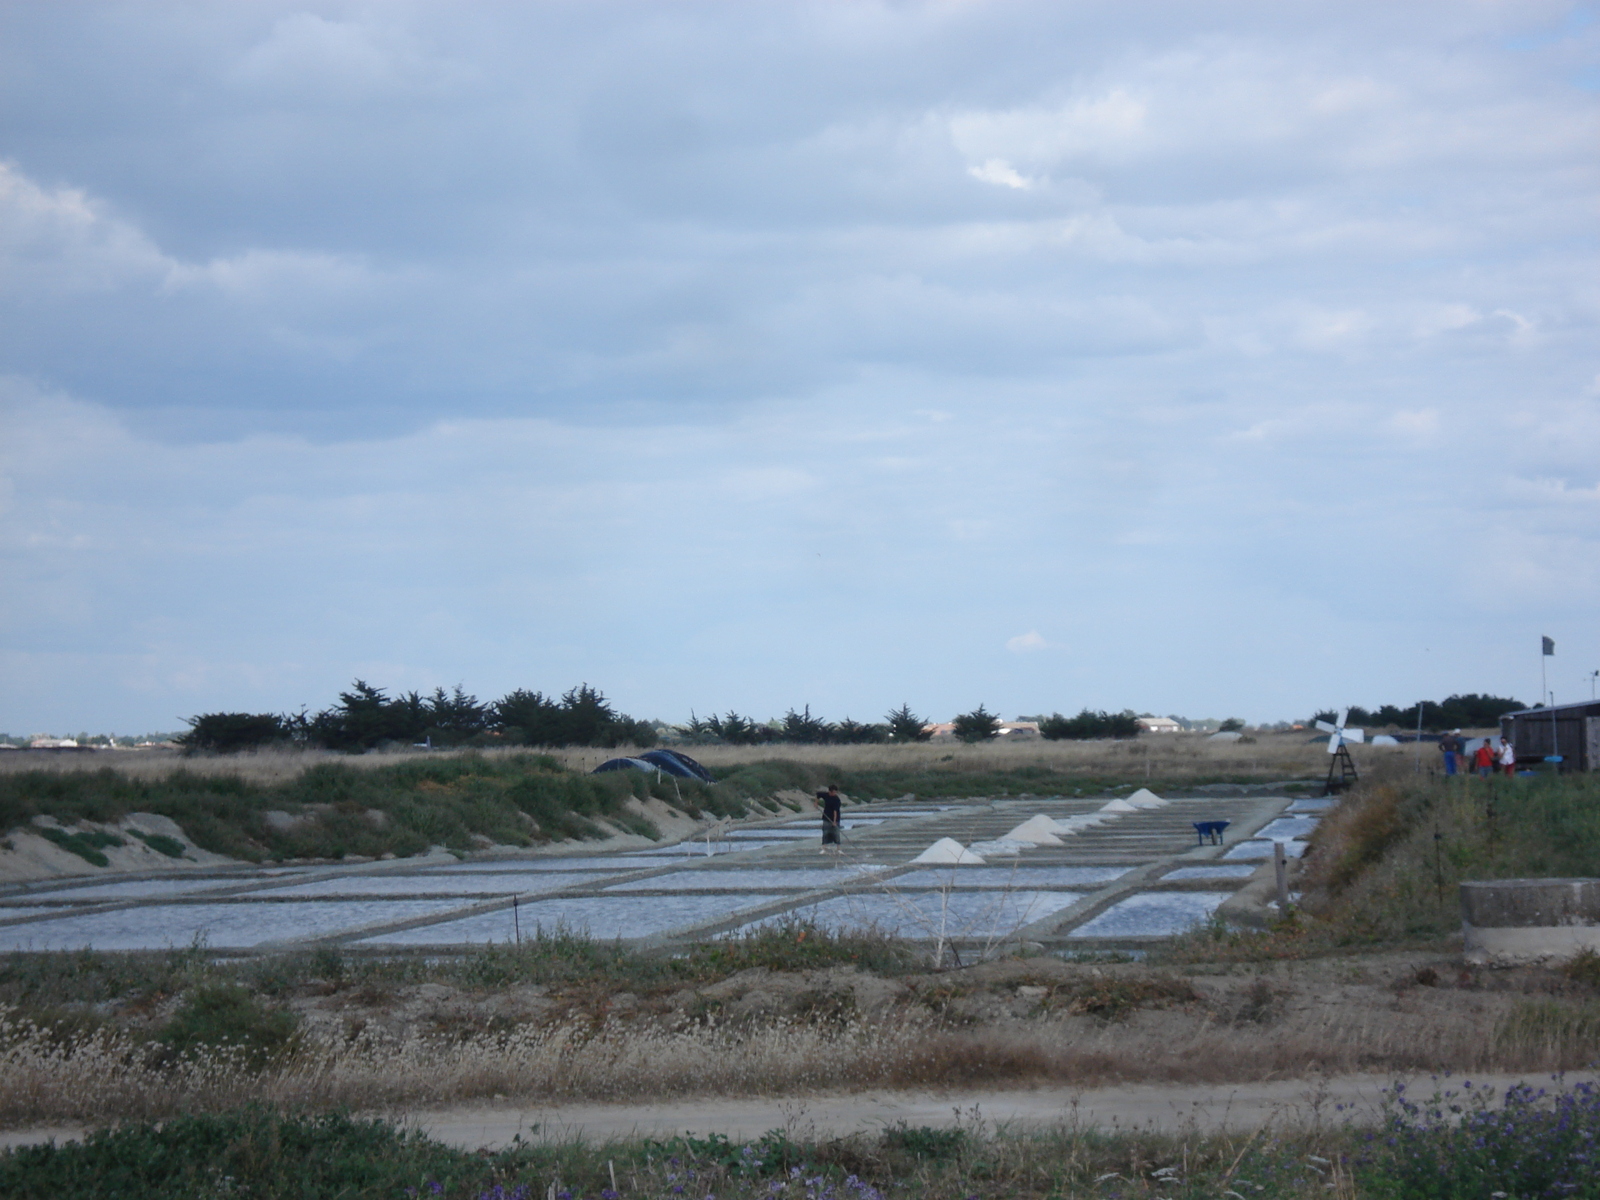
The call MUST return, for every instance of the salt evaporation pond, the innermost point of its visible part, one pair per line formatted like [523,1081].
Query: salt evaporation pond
[613,863]
[749,879]
[7,914]
[134,889]
[1315,805]
[1152,914]
[603,918]
[925,914]
[698,849]
[1285,828]
[1228,871]
[1264,849]
[772,835]
[1006,877]
[222,925]
[498,883]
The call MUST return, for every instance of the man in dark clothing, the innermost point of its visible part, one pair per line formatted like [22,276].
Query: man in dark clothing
[1450,746]
[831,806]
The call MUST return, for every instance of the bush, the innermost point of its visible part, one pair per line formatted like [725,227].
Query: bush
[253,1153]
[230,732]
[979,725]
[1088,724]
[906,726]
[228,1015]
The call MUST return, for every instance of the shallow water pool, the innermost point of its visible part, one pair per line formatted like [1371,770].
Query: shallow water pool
[496,883]
[1285,828]
[601,917]
[751,879]
[220,925]
[1257,849]
[923,915]
[135,889]
[1006,877]
[1152,914]
[1221,871]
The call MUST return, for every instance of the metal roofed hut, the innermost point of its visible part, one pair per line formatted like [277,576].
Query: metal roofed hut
[1568,732]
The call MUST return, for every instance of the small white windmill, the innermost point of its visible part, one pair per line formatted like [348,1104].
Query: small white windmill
[1342,770]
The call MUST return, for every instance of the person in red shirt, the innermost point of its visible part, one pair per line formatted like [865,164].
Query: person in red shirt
[1483,758]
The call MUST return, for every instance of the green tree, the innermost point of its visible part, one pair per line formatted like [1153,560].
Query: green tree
[1089,724]
[906,726]
[802,727]
[737,730]
[854,733]
[1231,725]
[979,725]
[227,733]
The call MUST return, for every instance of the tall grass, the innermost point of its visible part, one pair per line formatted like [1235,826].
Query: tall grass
[1384,867]
[353,807]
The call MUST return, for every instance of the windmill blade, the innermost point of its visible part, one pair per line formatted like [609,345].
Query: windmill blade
[1326,728]
[1344,714]
[1334,743]
[1355,735]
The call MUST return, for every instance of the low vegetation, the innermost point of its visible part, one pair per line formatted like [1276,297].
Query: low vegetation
[334,809]
[1384,867]
[1456,1145]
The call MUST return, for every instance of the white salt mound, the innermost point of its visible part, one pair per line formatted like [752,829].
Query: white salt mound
[1117,806]
[947,850]
[1037,830]
[1145,798]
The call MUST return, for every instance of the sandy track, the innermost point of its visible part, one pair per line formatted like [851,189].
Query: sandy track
[1209,1109]
[1167,1108]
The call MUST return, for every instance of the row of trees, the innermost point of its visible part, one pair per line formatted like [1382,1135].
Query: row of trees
[1470,711]
[366,717]
[898,725]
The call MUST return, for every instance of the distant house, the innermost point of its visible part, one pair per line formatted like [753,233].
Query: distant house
[1019,729]
[50,743]
[942,729]
[1159,725]
[1571,731]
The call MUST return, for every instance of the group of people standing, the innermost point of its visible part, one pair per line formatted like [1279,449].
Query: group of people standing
[1487,759]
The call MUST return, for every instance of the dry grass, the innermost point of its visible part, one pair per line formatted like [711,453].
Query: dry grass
[98,1074]
[1270,756]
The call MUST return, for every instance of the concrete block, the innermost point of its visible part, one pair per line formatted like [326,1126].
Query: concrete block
[1509,922]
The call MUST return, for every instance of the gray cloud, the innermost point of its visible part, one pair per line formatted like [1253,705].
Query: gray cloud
[1203,346]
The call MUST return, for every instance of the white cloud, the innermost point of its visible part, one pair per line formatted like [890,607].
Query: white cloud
[1000,173]
[1027,643]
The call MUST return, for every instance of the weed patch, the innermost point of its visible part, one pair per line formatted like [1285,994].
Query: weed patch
[87,845]
[1468,1143]
[227,1016]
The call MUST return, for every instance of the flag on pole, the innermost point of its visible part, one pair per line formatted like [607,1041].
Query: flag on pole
[1549,645]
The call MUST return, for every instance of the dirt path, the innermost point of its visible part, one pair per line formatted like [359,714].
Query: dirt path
[1169,1108]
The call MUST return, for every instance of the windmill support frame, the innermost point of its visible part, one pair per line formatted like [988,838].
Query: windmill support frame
[1341,771]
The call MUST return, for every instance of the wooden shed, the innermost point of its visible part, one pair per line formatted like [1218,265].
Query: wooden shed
[1570,730]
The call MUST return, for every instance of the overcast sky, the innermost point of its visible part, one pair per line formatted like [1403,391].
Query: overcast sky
[1222,358]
